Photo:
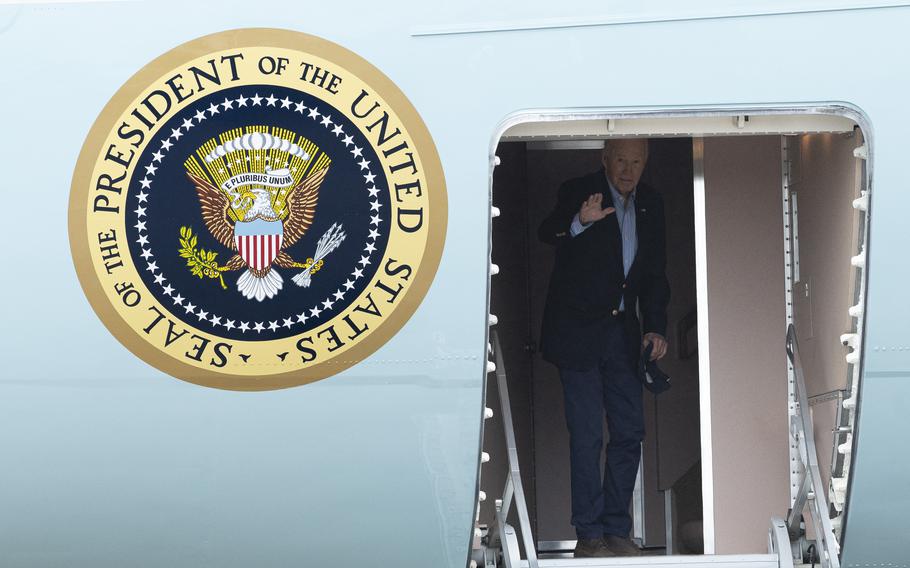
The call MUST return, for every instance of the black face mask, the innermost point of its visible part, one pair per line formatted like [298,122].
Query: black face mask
[650,374]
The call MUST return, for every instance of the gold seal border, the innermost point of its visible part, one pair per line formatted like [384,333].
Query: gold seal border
[425,272]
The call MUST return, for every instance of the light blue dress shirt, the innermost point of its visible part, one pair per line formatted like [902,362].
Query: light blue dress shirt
[625,216]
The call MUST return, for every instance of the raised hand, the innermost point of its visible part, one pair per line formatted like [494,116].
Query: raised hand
[592,209]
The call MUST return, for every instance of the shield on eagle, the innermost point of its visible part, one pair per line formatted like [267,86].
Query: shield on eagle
[258,242]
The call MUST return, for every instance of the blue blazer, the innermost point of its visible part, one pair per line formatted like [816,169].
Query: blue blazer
[588,280]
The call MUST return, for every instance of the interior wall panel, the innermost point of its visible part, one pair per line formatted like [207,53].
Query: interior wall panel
[825,185]
[825,181]
[747,322]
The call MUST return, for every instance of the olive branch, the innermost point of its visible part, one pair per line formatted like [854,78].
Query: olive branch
[202,263]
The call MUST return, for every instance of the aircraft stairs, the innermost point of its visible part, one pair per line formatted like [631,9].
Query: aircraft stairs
[505,545]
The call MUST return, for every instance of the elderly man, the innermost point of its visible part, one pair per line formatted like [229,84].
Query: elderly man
[610,258]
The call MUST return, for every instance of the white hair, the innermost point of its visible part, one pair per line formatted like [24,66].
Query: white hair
[611,143]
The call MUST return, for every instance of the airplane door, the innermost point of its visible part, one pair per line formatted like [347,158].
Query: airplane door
[671,447]
[525,186]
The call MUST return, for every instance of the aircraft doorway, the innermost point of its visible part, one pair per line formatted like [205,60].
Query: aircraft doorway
[718,458]
[526,182]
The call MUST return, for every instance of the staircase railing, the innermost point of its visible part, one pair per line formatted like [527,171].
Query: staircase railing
[514,490]
[811,490]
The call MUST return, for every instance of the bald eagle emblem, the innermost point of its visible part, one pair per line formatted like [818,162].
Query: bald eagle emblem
[258,189]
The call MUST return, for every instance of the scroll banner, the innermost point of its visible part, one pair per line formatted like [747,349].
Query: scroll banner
[274,178]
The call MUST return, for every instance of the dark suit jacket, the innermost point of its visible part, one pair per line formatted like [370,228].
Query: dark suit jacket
[588,281]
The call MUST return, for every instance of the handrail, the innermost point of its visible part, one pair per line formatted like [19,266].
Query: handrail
[779,542]
[513,488]
[811,489]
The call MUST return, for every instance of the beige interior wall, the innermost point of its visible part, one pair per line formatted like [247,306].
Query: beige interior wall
[824,178]
[747,323]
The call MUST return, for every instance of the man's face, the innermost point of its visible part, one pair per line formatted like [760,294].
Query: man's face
[625,161]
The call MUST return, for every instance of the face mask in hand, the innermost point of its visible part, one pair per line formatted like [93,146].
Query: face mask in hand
[650,374]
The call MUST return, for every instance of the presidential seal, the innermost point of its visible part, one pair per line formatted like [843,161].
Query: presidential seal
[257,209]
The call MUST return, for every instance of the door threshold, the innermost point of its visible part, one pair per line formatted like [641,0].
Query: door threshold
[689,561]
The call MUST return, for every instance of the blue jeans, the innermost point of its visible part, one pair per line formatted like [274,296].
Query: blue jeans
[600,501]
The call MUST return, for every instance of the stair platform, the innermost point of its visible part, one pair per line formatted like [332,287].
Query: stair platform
[676,561]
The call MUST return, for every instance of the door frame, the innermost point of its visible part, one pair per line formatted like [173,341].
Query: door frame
[695,122]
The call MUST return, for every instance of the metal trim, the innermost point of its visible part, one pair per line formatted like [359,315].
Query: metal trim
[840,108]
[565,145]
[779,542]
[826,396]
[514,490]
[812,492]
[669,521]
[704,355]
[789,277]
[794,199]
[634,19]
[663,127]
[691,561]
[638,499]
[859,370]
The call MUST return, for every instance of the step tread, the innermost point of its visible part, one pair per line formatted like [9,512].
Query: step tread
[689,561]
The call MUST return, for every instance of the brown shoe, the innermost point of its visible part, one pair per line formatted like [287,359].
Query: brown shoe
[621,546]
[592,548]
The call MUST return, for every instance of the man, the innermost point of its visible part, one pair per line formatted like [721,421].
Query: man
[610,258]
